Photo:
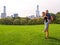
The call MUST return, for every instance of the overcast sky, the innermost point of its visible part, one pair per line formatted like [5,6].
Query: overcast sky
[28,7]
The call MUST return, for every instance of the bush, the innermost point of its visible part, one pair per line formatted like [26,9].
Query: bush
[6,21]
[28,21]
[16,22]
[35,21]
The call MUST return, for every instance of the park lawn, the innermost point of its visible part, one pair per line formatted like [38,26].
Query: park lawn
[29,35]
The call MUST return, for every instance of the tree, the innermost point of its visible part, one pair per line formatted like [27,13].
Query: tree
[23,22]
[35,21]
[58,15]
[6,21]
[53,16]
[58,18]
[16,22]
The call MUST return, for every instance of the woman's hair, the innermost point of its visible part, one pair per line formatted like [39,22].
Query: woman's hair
[43,13]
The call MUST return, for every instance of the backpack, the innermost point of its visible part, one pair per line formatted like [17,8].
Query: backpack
[52,18]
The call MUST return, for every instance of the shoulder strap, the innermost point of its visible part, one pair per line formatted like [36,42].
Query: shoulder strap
[51,18]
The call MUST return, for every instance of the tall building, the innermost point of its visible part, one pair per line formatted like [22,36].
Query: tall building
[37,12]
[3,15]
[16,15]
[4,9]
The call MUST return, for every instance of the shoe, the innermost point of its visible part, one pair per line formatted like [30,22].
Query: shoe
[44,31]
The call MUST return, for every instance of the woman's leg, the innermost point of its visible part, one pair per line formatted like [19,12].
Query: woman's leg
[47,31]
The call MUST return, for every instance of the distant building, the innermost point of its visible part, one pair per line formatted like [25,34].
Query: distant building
[37,12]
[8,17]
[32,16]
[16,15]
[3,15]
[11,15]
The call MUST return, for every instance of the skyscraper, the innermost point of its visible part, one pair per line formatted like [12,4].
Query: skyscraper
[3,15]
[15,14]
[37,11]
[4,9]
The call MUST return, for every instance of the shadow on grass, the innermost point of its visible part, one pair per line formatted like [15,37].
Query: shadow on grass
[53,38]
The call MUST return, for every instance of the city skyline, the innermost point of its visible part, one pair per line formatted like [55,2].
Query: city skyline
[28,7]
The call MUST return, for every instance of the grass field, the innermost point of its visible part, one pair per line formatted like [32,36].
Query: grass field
[29,35]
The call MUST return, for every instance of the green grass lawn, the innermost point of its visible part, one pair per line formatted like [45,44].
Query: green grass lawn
[29,35]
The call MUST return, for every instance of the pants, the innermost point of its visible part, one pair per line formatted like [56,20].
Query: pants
[46,25]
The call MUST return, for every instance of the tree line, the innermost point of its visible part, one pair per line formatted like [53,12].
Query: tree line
[28,21]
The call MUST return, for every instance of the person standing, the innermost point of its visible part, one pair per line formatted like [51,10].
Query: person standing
[46,23]
[49,20]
